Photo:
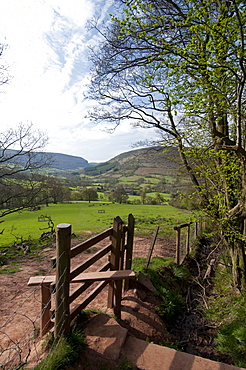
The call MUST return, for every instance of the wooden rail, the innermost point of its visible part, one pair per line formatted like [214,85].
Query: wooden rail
[198,227]
[112,273]
[178,239]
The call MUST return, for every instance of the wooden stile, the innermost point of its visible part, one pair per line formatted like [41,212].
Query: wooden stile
[111,273]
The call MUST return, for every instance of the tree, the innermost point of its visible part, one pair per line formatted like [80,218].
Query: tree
[89,194]
[179,66]
[159,198]
[20,160]
[119,195]
[143,195]
[55,190]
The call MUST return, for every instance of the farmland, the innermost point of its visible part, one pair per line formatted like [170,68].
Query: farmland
[92,218]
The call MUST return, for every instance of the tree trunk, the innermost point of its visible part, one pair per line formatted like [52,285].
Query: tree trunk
[238,265]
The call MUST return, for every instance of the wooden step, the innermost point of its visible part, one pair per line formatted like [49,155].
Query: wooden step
[85,277]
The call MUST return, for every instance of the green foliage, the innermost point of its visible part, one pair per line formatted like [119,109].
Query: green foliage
[156,263]
[228,311]
[119,195]
[3,259]
[173,304]
[231,337]
[66,352]
[181,272]
[181,67]
[125,365]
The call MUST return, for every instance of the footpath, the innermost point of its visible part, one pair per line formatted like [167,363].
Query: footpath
[106,338]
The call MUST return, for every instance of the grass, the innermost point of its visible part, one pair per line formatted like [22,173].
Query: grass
[84,216]
[156,263]
[10,269]
[228,312]
[167,284]
[66,353]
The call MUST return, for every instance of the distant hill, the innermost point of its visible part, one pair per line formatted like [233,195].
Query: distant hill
[67,162]
[61,162]
[146,161]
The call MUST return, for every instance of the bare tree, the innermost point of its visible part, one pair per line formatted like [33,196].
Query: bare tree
[21,158]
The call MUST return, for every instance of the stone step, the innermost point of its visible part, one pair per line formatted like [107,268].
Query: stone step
[105,336]
[111,341]
[149,356]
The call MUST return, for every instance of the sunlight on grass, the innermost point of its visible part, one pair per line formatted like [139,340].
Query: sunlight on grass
[94,217]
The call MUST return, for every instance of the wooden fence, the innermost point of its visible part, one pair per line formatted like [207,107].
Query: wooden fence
[198,227]
[117,269]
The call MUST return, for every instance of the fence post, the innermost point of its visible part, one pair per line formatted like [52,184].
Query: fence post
[62,312]
[129,247]
[46,306]
[177,259]
[188,240]
[114,290]
[151,246]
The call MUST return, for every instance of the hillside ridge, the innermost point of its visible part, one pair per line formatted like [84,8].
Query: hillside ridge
[143,161]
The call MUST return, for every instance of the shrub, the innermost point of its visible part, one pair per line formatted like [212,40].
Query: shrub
[231,337]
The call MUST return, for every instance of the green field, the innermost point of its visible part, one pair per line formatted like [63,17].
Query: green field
[94,217]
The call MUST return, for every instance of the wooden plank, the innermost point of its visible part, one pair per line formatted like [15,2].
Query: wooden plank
[105,275]
[85,277]
[90,242]
[77,249]
[77,309]
[84,286]
[182,225]
[90,261]
[39,280]
[188,240]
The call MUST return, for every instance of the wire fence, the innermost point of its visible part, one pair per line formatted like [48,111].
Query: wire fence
[21,344]
[20,333]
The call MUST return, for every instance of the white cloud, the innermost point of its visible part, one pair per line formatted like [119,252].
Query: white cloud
[47,54]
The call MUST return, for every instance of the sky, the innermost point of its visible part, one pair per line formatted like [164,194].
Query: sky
[47,47]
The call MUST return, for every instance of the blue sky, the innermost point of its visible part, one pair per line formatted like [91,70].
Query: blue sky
[47,54]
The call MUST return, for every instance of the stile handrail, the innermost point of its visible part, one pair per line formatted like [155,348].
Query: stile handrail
[90,242]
